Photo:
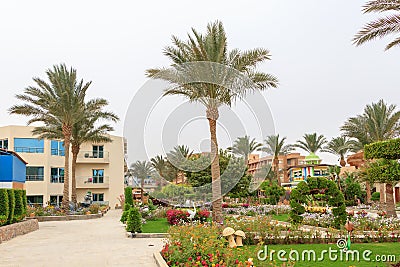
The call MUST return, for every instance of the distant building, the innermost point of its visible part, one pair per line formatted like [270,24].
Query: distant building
[99,170]
[12,170]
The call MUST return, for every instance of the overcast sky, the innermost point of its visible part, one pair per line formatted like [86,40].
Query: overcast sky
[324,79]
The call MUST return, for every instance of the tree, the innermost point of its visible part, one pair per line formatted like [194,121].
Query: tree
[275,147]
[177,158]
[334,172]
[212,48]
[312,143]
[243,146]
[339,146]
[59,102]
[142,170]
[381,27]
[159,164]
[378,122]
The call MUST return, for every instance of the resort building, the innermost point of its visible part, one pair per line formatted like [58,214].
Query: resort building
[255,164]
[12,170]
[99,169]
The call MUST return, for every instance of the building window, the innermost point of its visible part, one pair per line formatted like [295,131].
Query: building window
[35,200]
[98,197]
[98,152]
[56,200]
[34,173]
[57,148]
[28,145]
[57,175]
[4,143]
[98,176]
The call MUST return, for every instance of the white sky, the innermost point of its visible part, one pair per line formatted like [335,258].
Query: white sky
[324,78]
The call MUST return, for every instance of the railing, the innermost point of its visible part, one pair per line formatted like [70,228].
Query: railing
[92,182]
[29,149]
[101,203]
[34,177]
[93,157]
[57,179]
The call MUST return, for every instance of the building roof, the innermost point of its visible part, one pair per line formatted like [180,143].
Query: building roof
[9,152]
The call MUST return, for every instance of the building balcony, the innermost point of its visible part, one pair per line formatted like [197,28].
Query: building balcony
[92,182]
[93,157]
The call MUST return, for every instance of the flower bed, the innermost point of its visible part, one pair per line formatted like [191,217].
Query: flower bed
[178,216]
[256,210]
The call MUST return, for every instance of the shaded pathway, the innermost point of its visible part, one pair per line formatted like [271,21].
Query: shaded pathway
[96,242]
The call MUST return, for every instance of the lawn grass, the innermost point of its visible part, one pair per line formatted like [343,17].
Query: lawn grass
[281,217]
[157,226]
[375,248]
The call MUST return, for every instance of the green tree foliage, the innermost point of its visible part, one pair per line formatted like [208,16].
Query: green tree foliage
[134,221]
[389,149]
[18,210]
[376,196]
[11,205]
[24,201]
[311,143]
[384,171]
[273,192]
[4,206]
[243,146]
[128,197]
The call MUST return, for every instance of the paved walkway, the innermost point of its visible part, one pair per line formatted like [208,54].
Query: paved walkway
[96,242]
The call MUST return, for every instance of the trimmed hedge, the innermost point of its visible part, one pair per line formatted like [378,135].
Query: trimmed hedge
[12,205]
[134,221]
[389,149]
[128,196]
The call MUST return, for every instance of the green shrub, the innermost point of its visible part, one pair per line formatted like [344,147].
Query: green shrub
[11,205]
[18,209]
[4,207]
[134,221]
[389,149]
[24,201]
[376,196]
[128,196]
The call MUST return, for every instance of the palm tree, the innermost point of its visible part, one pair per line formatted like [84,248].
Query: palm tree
[142,170]
[312,143]
[275,146]
[381,27]
[60,102]
[89,130]
[177,158]
[159,164]
[244,146]
[212,47]
[378,122]
[339,146]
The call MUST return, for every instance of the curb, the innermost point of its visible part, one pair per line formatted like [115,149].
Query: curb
[159,260]
[147,235]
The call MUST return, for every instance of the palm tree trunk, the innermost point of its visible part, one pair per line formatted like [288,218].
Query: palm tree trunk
[382,193]
[368,189]
[142,189]
[342,161]
[390,200]
[75,152]
[276,169]
[67,131]
[212,116]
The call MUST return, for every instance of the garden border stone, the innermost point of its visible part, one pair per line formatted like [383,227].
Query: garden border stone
[147,235]
[159,260]
[66,218]
[8,232]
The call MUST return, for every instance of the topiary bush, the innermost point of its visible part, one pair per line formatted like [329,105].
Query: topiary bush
[305,192]
[376,196]
[4,206]
[124,215]
[24,202]
[134,221]
[389,149]
[128,197]
[18,209]
[11,205]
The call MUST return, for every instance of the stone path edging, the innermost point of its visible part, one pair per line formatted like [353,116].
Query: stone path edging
[159,260]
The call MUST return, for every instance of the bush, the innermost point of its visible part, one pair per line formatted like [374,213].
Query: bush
[134,221]
[4,206]
[202,215]
[94,208]
[389,149]
[11,205]
[24,202]
[177,216]
[128,197]
[18,210]
[124,215]
[376,196]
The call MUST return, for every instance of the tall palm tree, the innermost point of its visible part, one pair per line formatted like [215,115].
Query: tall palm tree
[312,143]
[339,146]
[177,158]
[59,102]
[159,164]
[142,170]
[212,47]
[381,27]
[90,129]
[378,122]
[244,146]
[275,146]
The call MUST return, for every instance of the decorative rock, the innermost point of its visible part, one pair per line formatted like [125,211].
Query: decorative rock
[8,232]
